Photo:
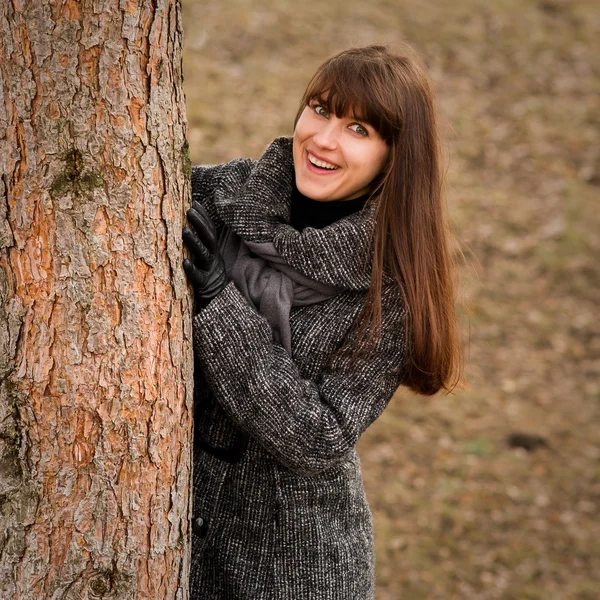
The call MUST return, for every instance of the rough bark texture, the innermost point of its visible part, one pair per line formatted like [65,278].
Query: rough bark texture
[95,352]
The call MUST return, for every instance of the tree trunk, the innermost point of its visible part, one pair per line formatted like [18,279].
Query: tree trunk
[95,326]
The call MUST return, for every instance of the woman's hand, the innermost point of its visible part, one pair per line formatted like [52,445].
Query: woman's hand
[206,270]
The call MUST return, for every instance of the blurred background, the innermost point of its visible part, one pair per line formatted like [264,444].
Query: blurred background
[463,507]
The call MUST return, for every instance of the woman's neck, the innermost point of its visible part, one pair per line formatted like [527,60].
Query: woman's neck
[314,213]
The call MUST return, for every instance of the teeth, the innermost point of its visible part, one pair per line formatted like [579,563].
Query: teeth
[321,163]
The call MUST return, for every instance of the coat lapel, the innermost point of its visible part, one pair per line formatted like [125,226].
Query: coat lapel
[257,208]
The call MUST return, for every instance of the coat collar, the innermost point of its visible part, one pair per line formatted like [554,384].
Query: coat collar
[257,207]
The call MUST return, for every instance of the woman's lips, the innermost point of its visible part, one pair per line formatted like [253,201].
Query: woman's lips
[319,170]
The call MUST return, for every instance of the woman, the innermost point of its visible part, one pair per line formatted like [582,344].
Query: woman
[322,281]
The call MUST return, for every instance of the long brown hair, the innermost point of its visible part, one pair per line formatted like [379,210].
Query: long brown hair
[410,240]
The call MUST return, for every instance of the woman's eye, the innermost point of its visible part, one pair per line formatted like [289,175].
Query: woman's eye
[320,110]
[359,129]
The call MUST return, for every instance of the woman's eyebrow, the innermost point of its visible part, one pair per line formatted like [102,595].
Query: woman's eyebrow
[361,119]
[321,100]
[324,102]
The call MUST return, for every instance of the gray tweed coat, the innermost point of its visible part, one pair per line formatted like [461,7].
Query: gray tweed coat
[286,518]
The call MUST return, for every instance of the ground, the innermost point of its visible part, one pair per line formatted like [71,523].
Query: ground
[459,512]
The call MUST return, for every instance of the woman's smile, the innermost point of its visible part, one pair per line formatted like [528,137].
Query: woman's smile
[322,165]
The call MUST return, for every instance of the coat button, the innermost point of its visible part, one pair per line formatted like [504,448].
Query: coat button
[199,526]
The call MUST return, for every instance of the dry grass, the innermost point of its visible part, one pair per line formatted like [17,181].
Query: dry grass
[458,513]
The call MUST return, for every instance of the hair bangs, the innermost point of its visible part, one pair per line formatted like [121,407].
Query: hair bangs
[351,88]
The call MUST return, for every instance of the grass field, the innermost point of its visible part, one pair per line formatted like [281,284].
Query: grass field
[458,512]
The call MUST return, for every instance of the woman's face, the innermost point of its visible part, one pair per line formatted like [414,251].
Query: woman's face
[335,158]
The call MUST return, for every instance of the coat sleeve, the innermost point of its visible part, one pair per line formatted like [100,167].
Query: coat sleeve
[207,179]
[306,425]
[204,179]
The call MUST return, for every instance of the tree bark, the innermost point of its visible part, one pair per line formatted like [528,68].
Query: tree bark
[95,325]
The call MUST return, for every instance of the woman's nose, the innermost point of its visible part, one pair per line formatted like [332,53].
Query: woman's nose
[327,136]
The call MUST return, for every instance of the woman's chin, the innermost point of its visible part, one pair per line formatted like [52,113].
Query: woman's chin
[315,191]
[314,194]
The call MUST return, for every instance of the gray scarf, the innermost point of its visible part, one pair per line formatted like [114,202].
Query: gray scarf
[269,282]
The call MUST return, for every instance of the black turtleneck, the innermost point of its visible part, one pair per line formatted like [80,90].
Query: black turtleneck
[313,213]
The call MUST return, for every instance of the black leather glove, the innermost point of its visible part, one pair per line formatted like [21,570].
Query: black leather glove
[206,271]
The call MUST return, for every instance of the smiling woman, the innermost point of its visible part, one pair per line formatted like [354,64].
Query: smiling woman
[322,281]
